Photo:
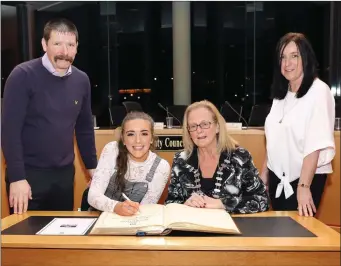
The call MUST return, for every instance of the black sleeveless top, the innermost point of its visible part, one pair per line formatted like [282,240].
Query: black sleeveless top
[207,185]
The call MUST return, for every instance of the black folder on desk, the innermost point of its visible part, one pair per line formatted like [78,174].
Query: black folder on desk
[249,227]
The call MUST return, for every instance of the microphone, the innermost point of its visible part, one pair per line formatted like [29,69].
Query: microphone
[239,115]
[169,114]
[110,115]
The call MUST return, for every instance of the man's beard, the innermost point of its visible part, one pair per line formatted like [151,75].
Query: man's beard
[63,57]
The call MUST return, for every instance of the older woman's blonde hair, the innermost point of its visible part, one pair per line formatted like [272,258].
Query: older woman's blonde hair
[224,141]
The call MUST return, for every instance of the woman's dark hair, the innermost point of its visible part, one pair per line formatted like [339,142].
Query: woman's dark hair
[60,25]
[122,158]
[280,83]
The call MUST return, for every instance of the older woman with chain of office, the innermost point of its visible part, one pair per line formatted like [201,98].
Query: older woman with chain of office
[212,171]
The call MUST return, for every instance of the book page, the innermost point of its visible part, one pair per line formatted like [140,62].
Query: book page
[182,217]
[150,215]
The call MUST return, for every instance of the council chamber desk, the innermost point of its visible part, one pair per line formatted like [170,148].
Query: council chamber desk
[252,139]
[279,243]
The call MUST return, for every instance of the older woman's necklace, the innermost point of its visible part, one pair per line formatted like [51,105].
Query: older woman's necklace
[218,177]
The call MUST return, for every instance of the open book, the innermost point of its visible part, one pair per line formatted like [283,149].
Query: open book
[155,219]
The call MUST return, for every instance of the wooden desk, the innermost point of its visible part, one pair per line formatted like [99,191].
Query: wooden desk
[29,250]
[252,139]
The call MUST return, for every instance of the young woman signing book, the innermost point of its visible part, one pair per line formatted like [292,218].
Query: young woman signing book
[129,169]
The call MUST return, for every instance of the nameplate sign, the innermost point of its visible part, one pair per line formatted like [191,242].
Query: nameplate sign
[169,143]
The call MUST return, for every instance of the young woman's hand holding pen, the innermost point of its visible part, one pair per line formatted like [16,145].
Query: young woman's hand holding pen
[127,208]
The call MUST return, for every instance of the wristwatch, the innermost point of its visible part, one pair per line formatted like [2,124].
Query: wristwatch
[303,185]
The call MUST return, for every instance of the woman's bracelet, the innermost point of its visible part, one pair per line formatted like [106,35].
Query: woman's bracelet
[303,185]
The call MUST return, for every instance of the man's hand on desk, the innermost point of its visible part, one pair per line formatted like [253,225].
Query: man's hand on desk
[19,194]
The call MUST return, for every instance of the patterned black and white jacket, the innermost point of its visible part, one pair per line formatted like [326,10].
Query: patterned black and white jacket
[237,181]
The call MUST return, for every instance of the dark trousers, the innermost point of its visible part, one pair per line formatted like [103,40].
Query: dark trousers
[52,189]
[291,204]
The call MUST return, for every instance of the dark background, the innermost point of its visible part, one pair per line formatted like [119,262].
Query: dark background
[128,45]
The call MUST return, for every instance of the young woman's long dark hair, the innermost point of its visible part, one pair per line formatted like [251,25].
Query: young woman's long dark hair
[309,63]
[122,158]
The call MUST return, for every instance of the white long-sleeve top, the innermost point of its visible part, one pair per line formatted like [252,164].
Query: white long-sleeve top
[137,172]
[307,126]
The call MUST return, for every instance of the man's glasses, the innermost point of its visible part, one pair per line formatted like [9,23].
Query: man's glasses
[202,125]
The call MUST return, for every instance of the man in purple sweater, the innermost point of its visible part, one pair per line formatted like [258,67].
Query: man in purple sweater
[46,101]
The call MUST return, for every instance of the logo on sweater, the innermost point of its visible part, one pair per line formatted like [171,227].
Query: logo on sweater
[76,102]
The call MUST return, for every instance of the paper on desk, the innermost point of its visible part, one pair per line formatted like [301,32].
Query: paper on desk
[67,226]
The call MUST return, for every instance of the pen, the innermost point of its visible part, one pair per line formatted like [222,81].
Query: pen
[125,196]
